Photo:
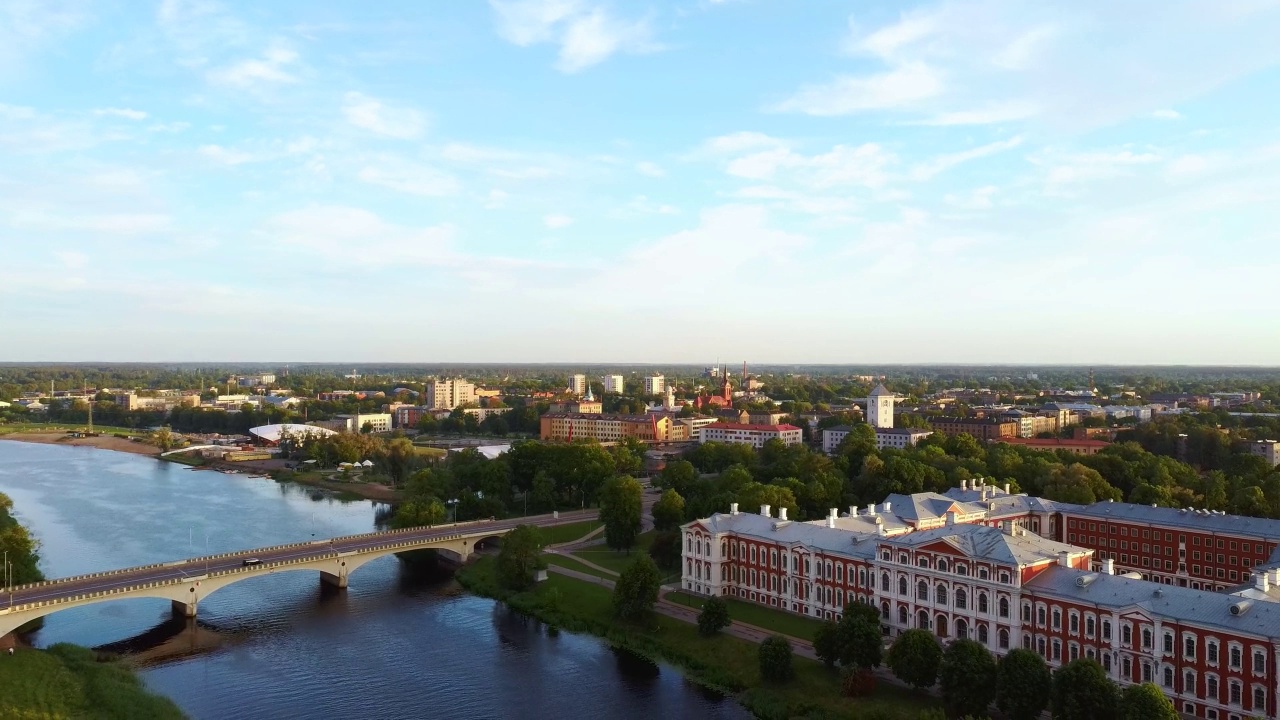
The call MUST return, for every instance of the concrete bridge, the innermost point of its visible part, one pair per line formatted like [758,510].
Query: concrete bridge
[186,582]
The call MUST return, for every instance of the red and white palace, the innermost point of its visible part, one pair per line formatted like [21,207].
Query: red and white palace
[1186,599]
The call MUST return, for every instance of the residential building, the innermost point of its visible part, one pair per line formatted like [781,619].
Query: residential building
[655,385]
[833,436]
[1031,424]
[578,385]
[407,416]
[1268,450]
[765,417]
[754,435]
[899,437]
[481,414]
[1076,447]
[605,428]
[482,393]
[377,422]
[255,380]
[335,395]
[583,406]
[880,407]
[613,384]
[449,393]
[980,428]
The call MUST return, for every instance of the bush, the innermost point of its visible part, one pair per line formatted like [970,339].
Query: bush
[636,590]
[968,678]
[775,660]
[915,658]
[714,617]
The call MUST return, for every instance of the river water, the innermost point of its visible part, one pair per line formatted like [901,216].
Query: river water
[396,644]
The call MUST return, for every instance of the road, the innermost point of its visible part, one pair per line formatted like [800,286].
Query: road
[56,589]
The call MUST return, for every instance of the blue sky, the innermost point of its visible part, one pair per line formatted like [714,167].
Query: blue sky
[561,180]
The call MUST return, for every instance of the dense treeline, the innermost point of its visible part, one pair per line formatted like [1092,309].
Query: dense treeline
[21,548]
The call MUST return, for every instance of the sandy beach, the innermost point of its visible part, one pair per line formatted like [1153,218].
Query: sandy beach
[105,442]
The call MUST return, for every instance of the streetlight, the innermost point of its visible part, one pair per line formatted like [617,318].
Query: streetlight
[453,506]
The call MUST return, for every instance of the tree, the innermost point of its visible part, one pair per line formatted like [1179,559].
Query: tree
[1082,691]
[826,643]
[860,640]
[775,659]
[967,678]
[520,558]
[1146,702]
[915,657]
[1023,685]
[665,549]
[620,507]
[416,513]
[399,457]
[636,590]
[668,512]
[678,475]
[714,617]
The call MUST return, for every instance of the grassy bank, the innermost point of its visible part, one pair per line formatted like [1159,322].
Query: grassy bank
[722,662]
[557,534]
[67,681]
[786,623]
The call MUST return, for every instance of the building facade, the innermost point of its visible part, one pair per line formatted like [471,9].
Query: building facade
[980,428]
[655,385]
[1075,447]
[880,407]
[605,428]
[578,385]
[952,567]
[754,435]
[449,393]
[613,384]
[1268,450]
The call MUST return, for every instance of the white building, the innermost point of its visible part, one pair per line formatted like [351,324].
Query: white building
[885,437]
[880,407]
[449,393]
[655,385]
[377,422]
[578,384]
[1268,450]
[613,383]
[754,435]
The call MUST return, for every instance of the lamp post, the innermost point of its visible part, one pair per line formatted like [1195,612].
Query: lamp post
[453,507]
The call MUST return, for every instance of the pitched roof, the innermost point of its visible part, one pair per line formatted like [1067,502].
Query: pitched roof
[1206,521]
[919,507]
[988,543]
[880,390]
[811,535]
[1196,607]
[751,426]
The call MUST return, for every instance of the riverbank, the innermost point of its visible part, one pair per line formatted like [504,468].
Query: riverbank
[723,663]
[368,491]
[60,437]
[67,681]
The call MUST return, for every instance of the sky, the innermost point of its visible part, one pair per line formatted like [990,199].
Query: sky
[789,181]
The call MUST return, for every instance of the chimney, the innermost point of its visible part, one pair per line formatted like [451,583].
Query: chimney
[853,511]
[964,485]
[782,512]
[833,513]
[1109,566]
[1006,488]
[887,505]
[831,521]
[871,509]
[764,510]
[733,508]
[1064,558]
[951,518]
[1006,527]
[1261,581]
[1275,576]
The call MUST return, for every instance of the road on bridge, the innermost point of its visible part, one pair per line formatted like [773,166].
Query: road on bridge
[56,589]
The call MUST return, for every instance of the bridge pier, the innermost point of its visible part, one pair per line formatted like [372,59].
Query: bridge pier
[338,581]
[184,609]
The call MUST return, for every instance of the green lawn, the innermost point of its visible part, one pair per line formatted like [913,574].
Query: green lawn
[779,621]
[65,427]
[722,661]
[613,559]
[67,682]
[568,562]
[557,534]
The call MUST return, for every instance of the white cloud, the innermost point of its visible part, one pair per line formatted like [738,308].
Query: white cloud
[126,113]
[409,178]
[643,205]
[942,163]
[902,87]
[271,68]
[991,115]
[864,165]
[508,164]
[496,199]
[227,156]
[377,117]
[650,169]
[1070,170]
[1167,115]
[557,221]
[586,35]
[979,199]
[345,237]
[740,141]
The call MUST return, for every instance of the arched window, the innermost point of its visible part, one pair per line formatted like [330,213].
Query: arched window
[884,582]
[707,548]
[922,561]
[902,615]
[688,543]
[962,569]
[962,599]
[902,585]
[884,610]
[1004,639]
[922,619]
[983,606]
[942,565]
[962,629]
[982,633]
[922,590]
[940,594]
[1004,607]
[724,548]
[942,626]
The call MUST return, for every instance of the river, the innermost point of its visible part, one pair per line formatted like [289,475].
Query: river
[396,644]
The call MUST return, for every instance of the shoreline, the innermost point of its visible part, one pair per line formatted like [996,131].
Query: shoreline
[101,442]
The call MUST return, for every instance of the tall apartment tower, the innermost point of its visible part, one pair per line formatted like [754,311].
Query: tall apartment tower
[880,407]
[578,384]
[449,393]
[655,385]
[613,383]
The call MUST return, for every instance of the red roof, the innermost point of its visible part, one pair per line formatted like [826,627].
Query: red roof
[748,426]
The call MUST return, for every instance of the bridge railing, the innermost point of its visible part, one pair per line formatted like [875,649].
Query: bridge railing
[251,553]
